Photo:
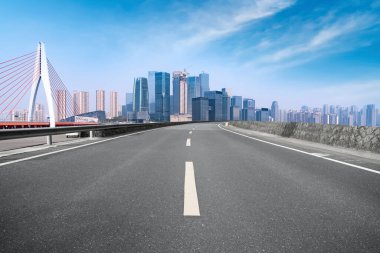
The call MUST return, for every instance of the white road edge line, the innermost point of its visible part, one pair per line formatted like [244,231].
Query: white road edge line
[76,147]
[304,152]
[188,142]
[190,202]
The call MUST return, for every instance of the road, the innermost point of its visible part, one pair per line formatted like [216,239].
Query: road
[188,188]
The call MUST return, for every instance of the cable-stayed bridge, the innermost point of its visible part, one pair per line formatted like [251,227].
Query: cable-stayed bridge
[21,79]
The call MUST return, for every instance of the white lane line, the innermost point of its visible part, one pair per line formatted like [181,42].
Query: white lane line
[190,202]
[188,142]
[319,154]
[76,147]
[190,132]
[304,152]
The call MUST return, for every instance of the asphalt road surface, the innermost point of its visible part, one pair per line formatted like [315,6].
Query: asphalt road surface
[188,188]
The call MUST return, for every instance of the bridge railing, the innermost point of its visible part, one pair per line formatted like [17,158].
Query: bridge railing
[93,130]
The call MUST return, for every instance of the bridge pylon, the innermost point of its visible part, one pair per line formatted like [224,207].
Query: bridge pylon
[41,68]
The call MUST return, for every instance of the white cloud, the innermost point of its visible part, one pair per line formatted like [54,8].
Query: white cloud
[324,38]
[221,19]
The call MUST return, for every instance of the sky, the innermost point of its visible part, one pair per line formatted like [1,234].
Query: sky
[296,52]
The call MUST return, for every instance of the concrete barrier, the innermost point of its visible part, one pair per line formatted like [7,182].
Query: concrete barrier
[361,138]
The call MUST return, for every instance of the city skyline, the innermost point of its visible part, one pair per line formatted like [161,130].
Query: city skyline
[295,52]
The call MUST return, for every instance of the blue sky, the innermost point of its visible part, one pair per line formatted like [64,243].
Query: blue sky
[295,52]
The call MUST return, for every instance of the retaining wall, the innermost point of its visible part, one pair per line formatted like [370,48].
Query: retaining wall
[361,138]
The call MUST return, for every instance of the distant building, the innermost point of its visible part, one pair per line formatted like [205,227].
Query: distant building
[215,102]
[179,92]
[162,96]
[100,100]
[262,115]
[326,109]
[248,111]
[226,104]
[204,83]
[113,104]
[171,105]
[141,97]
[275,112]
[98,116]
[180,118]
[140,100]
[370,115]
[200,110]
[39,113]
[61,107]
[151,88]
[80,102]
[237,101]
[193,91]
[129,102]
[235,112]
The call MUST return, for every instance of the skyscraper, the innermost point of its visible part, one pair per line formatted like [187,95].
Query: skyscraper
[162,96]
[236,101]
[262,115]
[226,104]
[275,113]
[179,92]
[200,110]
[204,83]
[39,113]
[215,102]
[326,109]
[100,100]
[141,96]
[248,112]
[370,115]
[151,88]
[129,102]
[61,104]
[80,102]
[235,112]
[193,91]
[113,104]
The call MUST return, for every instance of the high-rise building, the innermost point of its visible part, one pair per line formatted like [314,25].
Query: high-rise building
[204,83]
[61,105]
[235,112]
[100,100]
[113,105]
[215,102]
[275,113]
[151,88]
[141,97]
[80,102]
[179,92]
[200,110]
[262,115]
[129,102]
[39,113]
[171,105]
[370,115]
[226,104]
[162,96]
[237,101]
[248,111]
[326,109]
[193,91]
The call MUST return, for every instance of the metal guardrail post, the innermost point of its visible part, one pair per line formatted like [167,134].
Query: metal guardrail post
[49,140]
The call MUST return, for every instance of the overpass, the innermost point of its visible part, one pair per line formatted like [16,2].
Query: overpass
[202,187]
